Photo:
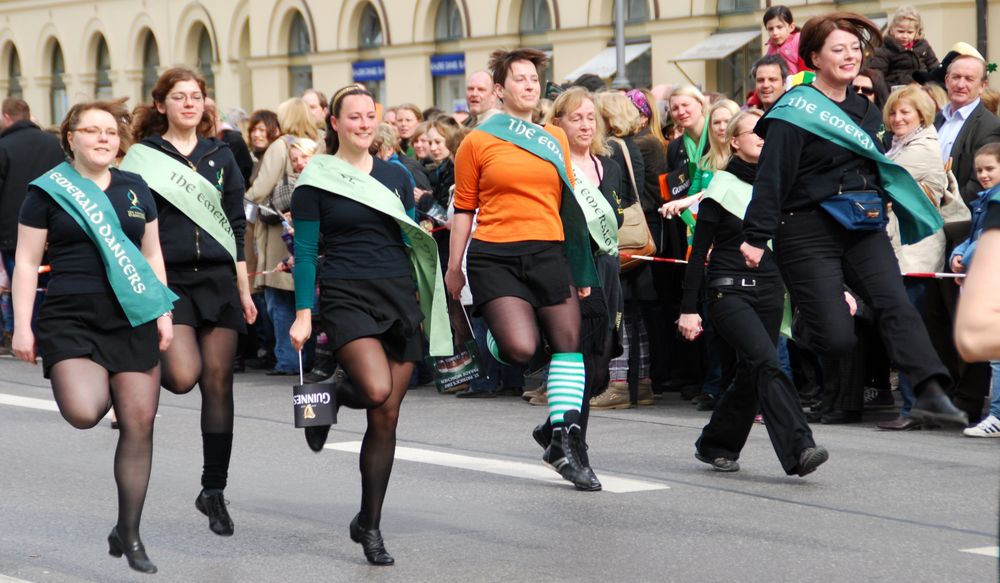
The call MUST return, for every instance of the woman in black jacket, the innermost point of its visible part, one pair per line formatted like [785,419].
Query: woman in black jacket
[208,273]
[817,254]
[746,308]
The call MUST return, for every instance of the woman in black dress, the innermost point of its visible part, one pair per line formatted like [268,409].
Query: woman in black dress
[90,350]
[368,297]
[205,269]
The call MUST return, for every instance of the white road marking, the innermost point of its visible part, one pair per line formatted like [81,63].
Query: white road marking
[611,483]
[33,403]
[984,551]
[6,579]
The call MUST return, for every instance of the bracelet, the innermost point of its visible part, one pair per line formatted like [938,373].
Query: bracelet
[169,314]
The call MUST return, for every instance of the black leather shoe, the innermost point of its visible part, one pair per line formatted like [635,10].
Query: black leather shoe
[938,408]
[371,541]
[316,437]
[840,417]
[134,553]
[542,434]
[565,454]
[811,458]
[901,424]
[212,504]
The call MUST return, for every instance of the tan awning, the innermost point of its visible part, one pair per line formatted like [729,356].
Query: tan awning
[605,63]
[718,46]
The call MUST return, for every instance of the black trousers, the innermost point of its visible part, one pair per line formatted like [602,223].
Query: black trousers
[747,322]
[817,257]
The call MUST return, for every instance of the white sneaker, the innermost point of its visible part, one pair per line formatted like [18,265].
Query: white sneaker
[989,427]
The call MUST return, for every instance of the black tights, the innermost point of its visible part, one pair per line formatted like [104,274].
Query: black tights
[514,323]
[84,391]
[205,357]
[376,383]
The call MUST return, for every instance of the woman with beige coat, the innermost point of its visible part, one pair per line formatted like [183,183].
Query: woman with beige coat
[274,172]
[909,115]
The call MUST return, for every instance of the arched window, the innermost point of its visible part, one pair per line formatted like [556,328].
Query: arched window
[636,11]
[58,98]
[448,23]
[205,59]
[150,63]
[102,80]
[535,16]
[371,28]
[299,46]
[14,74]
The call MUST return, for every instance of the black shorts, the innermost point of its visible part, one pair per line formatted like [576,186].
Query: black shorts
[96,327]
[209,296]
[535,271]
[386,309]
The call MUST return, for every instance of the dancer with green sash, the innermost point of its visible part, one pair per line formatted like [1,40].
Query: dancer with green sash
[530,260]
[745,308]
[106,314]
[598,184]
[198,189]
[377,263]
[820,143]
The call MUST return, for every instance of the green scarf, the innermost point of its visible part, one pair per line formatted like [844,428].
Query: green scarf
[143,297]
[331,174]
[598,213]
[694,154]
[190,192]
[536,140]
[806,107]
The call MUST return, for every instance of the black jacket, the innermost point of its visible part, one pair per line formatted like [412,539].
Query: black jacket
[234,139]
[184,244]
[655,163]
[798,169]
[980,129]
[26,152]
[897,64]
[629,196]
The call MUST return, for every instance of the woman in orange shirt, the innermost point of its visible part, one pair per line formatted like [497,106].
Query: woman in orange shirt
[529,260]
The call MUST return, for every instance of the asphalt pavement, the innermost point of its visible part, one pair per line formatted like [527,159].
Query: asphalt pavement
[470,500]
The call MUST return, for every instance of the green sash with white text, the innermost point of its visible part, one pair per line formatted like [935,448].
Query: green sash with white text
[142,296]
[190,192]
[806,107]
[534,139]
[332,174]
[600,217]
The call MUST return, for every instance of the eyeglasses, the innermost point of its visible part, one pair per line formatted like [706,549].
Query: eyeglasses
[93,131]
[182,97]
[866,91]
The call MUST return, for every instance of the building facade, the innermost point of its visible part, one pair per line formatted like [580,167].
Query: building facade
[255,53]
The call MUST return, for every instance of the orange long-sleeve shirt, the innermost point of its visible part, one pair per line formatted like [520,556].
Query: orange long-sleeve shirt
[517,193]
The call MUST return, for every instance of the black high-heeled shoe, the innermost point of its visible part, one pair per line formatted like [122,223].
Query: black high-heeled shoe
[134,553]
[371,541]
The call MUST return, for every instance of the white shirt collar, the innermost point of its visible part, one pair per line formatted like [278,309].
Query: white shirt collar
[963,112]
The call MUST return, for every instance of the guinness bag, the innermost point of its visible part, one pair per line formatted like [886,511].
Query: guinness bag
[313,405]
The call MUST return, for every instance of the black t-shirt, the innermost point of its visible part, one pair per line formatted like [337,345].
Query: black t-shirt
[992,217]
[76,264]
[358,242]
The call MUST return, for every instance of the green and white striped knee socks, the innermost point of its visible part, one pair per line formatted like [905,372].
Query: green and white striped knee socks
[565,385]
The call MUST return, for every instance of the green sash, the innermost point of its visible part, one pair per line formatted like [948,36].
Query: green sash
[734,196]
[190,192]
[141,294]
[536,140]
[599,215]
[332,174]
[806,107]
[695,153]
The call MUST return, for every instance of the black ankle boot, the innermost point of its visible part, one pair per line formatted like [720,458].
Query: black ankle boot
[316,437]
[935,406]
[212,504]
[134,553]
[543,434]
[565,455]
[371,541]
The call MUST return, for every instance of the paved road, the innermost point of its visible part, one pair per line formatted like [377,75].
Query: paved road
[468,503]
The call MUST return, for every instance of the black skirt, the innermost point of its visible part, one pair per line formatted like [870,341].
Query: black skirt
[385,309]
[94,326]
[535,271]
[208,295]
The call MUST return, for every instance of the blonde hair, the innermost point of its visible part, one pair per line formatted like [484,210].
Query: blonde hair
[620,116]
[715,158]
[907,13]
[571,100]
[305,145]
[386,137]
[295,119]
[917,97]
[937,94]
[733,127]
[655,122]
[688,91]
